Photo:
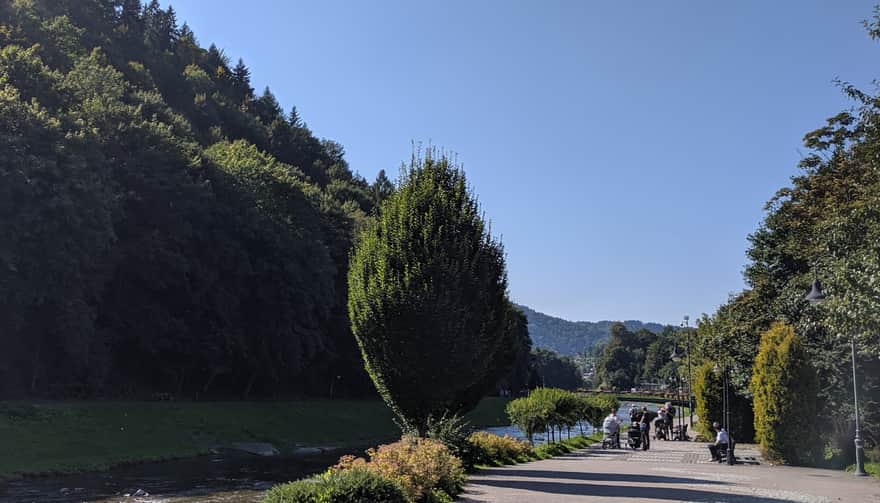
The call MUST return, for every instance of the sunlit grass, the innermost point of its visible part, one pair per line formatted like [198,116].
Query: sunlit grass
[46,437]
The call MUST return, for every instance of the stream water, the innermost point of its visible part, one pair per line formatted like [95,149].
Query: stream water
[225,477]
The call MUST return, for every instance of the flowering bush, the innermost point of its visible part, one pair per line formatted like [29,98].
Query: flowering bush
[420,466]
[493,449]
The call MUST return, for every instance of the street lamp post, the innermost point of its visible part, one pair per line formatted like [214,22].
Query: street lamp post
[690,392]
[725,409]
[678,389]
[817,296]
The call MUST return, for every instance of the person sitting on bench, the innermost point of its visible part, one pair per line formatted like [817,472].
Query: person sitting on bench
[721,441]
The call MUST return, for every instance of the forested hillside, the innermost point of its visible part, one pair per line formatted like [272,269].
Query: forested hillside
[165,228]
[572,337]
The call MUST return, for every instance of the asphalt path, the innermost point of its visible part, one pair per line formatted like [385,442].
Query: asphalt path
[669,471]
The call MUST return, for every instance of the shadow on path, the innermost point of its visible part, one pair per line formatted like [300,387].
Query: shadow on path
[595,453]
[590,476]
[612,491]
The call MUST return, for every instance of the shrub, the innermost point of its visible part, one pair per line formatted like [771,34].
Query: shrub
[497,450]
[453,433]
[417,465]
[356,485]
[545,451]
[785,387]
[709,406]
[437,496]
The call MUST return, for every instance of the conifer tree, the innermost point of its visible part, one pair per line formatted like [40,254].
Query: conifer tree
[785,387]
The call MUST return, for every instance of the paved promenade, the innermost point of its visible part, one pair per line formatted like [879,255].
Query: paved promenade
[670,471]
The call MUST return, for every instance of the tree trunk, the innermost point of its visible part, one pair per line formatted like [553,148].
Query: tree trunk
[250,384]
[180,382]
[36,366]
[208,384]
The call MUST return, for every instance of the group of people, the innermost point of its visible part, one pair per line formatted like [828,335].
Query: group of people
[663,424]
[641,419]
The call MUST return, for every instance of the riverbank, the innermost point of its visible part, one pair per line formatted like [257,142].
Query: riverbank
[52,437]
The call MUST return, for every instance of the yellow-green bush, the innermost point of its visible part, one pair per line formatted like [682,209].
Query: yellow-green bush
[417,465]
[785,387]
[494,449]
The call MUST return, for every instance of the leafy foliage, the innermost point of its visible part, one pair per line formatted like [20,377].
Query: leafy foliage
[356,485]
[165,229]
[453,431]
[427,295]
[495,449]
[417,465]
[554,371]
[709,395]
[553,410]
[629,359]
[825,225]
[785,385]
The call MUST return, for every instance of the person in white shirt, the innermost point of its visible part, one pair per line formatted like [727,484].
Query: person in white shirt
[611,427]
[721,441]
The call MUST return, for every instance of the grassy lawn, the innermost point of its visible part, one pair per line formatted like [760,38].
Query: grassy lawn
[47,437]
[873,469]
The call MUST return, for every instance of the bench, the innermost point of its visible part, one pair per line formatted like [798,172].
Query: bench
[722,451]
[680,432]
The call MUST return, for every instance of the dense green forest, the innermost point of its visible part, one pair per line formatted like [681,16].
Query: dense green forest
[572,337]
[549,369]
[825,225]
[641,358]
[166,229]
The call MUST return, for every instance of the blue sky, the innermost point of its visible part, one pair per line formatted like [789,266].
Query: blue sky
[623,150]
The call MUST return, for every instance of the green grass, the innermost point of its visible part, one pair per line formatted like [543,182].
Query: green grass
[59,437]
[873,469]
[546,451]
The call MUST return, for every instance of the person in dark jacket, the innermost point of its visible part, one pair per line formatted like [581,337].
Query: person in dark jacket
[645,426]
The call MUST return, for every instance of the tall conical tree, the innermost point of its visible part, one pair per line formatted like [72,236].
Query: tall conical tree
[427,287]
[785,387]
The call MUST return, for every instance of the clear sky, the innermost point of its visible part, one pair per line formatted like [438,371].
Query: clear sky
[623,150]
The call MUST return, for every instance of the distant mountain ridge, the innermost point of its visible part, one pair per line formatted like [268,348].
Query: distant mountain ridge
[571,337]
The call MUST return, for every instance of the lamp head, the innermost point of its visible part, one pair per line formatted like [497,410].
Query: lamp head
[816,295]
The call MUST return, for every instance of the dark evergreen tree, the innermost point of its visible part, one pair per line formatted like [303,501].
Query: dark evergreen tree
[427,294]
[241,82]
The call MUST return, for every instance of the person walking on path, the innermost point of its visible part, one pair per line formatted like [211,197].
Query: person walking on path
[722,441]
[645,426]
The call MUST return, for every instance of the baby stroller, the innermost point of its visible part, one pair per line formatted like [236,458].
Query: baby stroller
[611,440]
[660,432]
[634,437]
